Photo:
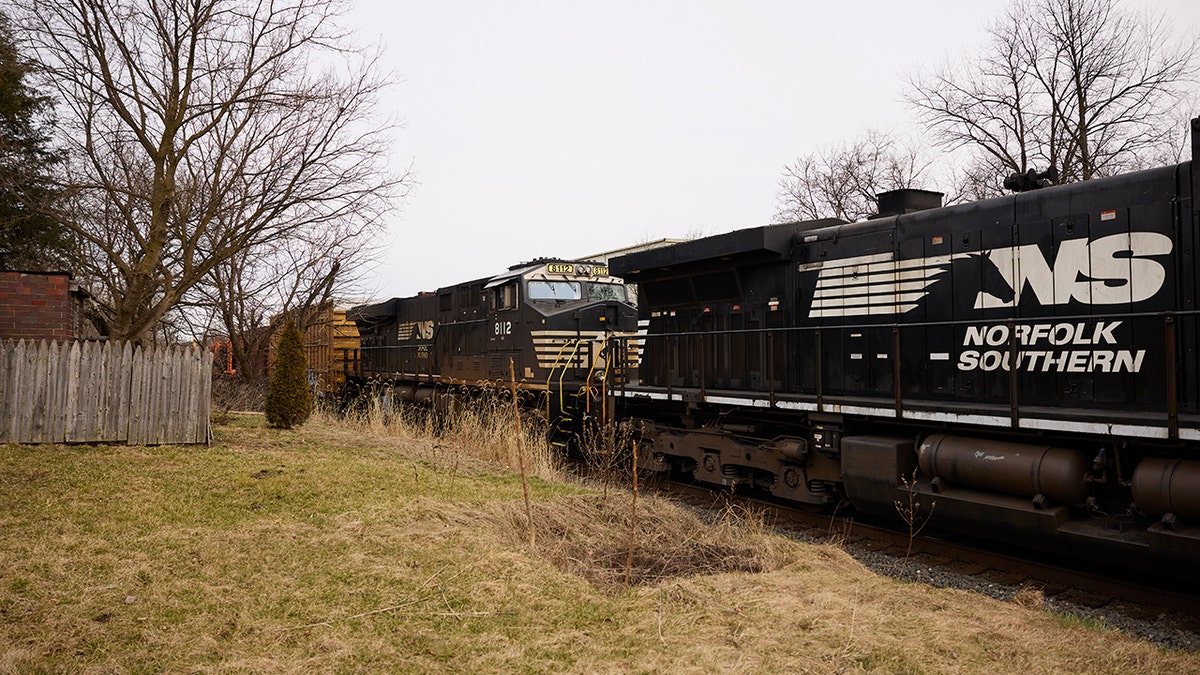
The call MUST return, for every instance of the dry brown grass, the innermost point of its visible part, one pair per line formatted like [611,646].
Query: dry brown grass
[484,428]
[1030,597]
[330,549]
[582,536]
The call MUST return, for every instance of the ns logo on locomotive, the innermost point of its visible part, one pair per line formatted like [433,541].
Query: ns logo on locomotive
[1031,360]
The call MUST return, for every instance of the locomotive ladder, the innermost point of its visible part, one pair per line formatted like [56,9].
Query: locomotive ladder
[575,407]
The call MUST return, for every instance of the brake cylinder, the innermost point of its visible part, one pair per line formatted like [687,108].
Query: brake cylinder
[1018,469]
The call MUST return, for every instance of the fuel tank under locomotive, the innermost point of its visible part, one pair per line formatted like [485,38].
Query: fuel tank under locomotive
[1029,495]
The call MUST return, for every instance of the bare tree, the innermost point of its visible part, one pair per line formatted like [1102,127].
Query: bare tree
[842,181]
[1081,87]
[987,104]
[1117,77]
[204,130]
[297,275]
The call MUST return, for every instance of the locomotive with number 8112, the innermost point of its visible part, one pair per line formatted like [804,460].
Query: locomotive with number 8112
[546,325]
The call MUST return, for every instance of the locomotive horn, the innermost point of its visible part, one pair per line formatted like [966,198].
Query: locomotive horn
[1031,180]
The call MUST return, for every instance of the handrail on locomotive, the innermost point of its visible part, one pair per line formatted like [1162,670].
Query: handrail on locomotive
[626,369]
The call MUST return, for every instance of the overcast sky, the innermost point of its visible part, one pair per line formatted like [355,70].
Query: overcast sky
[570,128]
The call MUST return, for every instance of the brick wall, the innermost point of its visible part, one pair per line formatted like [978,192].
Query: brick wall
[36,305]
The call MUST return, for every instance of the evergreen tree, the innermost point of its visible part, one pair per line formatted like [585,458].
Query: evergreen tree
[29,237]
[289,401]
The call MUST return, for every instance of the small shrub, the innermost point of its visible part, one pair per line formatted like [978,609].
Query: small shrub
[289,402]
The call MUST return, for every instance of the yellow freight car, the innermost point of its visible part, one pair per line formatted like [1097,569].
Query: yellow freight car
[330,343]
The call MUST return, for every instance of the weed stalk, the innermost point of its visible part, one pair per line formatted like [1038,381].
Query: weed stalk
[632,519]
[512,371]
[909,511]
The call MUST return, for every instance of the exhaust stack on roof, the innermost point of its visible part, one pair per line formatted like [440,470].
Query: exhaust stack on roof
[899,202]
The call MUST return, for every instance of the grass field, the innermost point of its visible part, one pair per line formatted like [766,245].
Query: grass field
[364,548]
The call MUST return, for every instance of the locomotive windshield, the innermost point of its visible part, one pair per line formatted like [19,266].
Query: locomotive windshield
[606,292]
[562,290]
[554,290]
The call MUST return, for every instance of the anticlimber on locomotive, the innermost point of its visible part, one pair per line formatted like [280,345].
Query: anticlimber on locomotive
[1027,363]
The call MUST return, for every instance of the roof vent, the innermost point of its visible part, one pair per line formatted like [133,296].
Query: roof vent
[899,202]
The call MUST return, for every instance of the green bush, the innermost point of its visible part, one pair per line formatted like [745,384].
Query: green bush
[289,402]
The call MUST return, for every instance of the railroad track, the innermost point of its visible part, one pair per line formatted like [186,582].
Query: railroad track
[1063,581]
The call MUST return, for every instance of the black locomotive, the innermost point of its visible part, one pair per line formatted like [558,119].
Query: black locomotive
[1027,363]
[547,324]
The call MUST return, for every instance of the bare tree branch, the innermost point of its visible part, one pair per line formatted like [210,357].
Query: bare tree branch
[1080,86]
[842,181]
[205,130]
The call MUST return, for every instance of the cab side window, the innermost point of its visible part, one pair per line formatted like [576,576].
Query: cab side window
[504,297]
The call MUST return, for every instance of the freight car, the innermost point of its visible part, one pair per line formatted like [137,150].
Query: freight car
[330,339]
[1026,366]
[547,322]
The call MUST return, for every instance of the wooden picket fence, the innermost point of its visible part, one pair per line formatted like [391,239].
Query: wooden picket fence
[104,392]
